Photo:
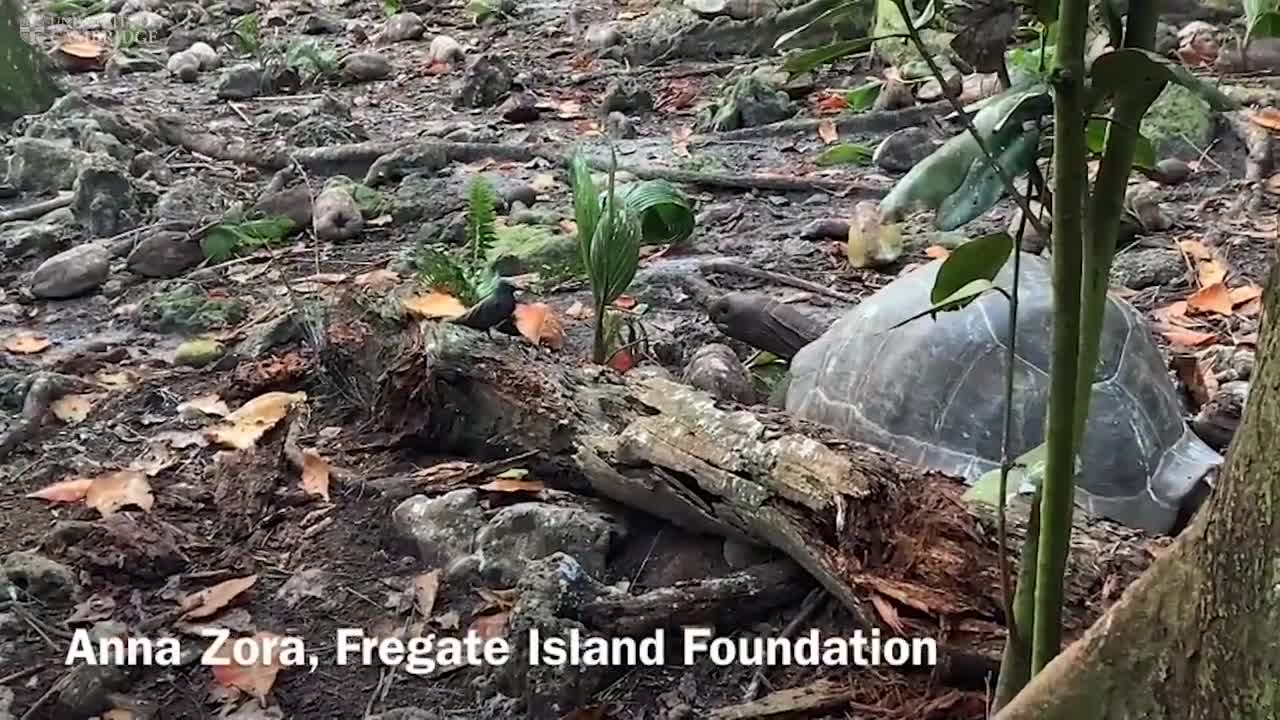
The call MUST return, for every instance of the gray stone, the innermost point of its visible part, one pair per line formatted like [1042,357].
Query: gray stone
[72,272]
[148,164]
[26,240]
[317,24]
[749,102]
[205,53]
[185,66]
[165,255]
[183,39]
[523,532]
[240,7]
[484,81]
[190,200]
[619,126]
[407,714]
[293,203]
[445,49]
[716,369]
[519,108]
[148,22]
[109,145]
[38,165]
[601,36]
[403,26]
[103,199]
[365,67]
[1148,267]
[240,82]
[1172,171]
[261,338]
[626,95]
[442,529]
[422,199]
[39,576]
[903,149]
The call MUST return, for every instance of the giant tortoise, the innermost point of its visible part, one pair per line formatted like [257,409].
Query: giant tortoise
[931,392]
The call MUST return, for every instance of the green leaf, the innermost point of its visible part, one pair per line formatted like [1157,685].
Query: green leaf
[1025,475]
[833,16]
[1266,25]
[955,301]
[978,259]
[806,60]
[1260,18]
[1143,73]
[846,154]
[438,271]
[219,244]
[481,219]
[615,249]
[863,97]
[1099,129]
[983,187]
[663,211]
[586,204]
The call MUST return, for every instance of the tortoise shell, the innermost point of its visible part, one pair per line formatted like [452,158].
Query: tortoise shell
[931,392]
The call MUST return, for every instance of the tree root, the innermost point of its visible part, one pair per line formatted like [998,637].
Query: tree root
[44,390]
[35,210]
[868,123]
[380,160]
[732,267]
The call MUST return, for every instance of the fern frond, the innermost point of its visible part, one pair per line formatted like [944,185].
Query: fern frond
[481,219]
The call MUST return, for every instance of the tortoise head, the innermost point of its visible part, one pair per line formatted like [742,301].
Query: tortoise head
[722,311]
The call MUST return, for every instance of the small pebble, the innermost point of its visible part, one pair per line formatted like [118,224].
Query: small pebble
[602,36]
[1172,171]
[184,65]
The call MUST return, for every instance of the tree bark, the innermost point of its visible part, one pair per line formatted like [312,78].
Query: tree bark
[1195,636]
[26,85]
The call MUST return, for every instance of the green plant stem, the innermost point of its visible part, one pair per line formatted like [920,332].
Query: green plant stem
[1015,664]
[1070,187]
[965,120]
[599,350]
[1107,208]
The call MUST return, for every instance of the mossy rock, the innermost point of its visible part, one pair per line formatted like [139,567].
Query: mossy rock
[1179,123]
[187,309]
[522,249]
[27,86]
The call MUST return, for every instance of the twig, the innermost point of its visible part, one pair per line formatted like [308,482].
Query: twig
[22,674]
[240,112]
[735,268]
[811,604]
[965,120]
[35,210]
[26,617]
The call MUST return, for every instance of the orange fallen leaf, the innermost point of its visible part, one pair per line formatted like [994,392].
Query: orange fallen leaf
[514,485]
[435,305]
[1268,118]
[1175,312]
[425,589]
[315,474]
[1211,299]
[622,361]
[1244,294]
[625,302]
[212,599]
[67,491]
[832,103]
[488,627]
[577,311]
[1210,272]
[26,343]
[244,426]
[108,493]
[538,324]
[1195,249]
[81,54]
[73,409]
[1183,337]
[937,252]
[210,405]
[381,279]
[255,678]
[1250,309]
[827,131]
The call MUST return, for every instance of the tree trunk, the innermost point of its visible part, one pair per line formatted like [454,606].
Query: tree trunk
[26,85]
[1195,637]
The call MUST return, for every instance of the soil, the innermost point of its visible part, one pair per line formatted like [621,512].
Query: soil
[280,536]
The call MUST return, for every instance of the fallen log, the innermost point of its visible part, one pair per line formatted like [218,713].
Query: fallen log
[894,543]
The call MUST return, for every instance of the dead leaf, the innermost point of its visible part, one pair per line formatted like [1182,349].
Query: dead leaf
[622,361]
[425,589]
[1251,308]
[569,109]
[1175,312]
[489,627]
[544,183]
[1196,375]
[1211,298]
[937,252]
[514,485]
[1244,294]
[81,54]
[577,311]
[435,305]
[254,419]
[1273,184]
[680,141]
[67,491]
[254,678]
[99,606]
[315,474]
[73,409]
[212,599]
[1195,249]
[1182,337]
[888,613]
[1210,273]
[121,379]
[180,439]
[625,302]
[210,405]
[1268,118]
[108,493]
[326,278]
[26,343]
[155,460]
[379,280]
[831,103]
[501,600]
[827,131]
[538,324]
[448,621]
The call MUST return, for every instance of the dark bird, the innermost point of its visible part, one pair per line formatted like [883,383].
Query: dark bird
[492,311]
[764,323]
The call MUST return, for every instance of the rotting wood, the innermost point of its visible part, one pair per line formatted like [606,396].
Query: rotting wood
[792,702]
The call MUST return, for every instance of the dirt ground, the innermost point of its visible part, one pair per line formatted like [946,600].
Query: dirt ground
[192,539]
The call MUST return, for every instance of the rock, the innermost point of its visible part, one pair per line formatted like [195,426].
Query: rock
[335,215]
[902,150]
[716,369]
[191,200]
[103,200]
[39,577]
[207,56]
[1171,171]
[240,82]
[109,145]
[240,7]
[261,338]
[601,36]
[422,199]
[365,67]
[72,272]
[519,108]
[626,95]
[894,95]
[198,353]
[525,249]
[445,50]
[619,126]
[148,22]
[403,26]
[147,164]
[317,24]
[1179,123]
[750,102]
[484,81]
[42,166]
[293,203]
[165,255]
[1148,267]
[183,39]
[521,533]
[25,240]
[932,91]
[441,529]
